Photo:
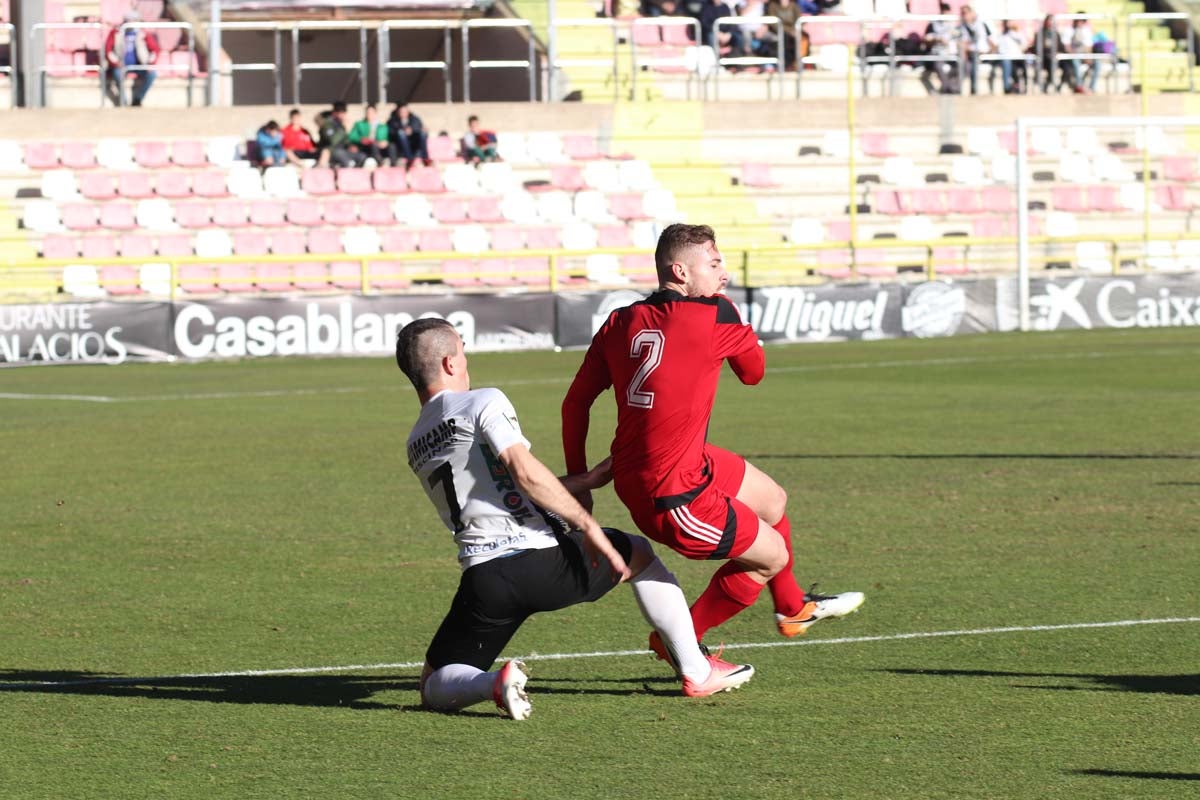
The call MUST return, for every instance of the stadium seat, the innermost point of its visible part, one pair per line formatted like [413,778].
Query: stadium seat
[507,239]
[311,275]
[318,181]
[1068,198]
[639,268]
[484,209]
[194,214]
[1132,196]
[758,176]
[543,237]
[1061,223]
[579,236]
[497,272]
[1083,140]
[78,155]
[605,268]
[470,239]
[982,142]
[59,184]
[346,275]
[282,182]
[390,180]
[376,211]
[434,240]
[59,245]
[519,207]
[1045,141]
[927,201]
[413,209]
[230,212]
[592,206]
[567,177]
[998,199]
[135,245]
[188,153]
[221,151]
[325,240]
[98,246]
[531,270]
[1003,168]
[1172,197]
[497,178]
[235,278]
[245,182]
[174,244]
[12,158]
[875,145]
[151,155]
[546,147]
[806,230]
[114,154]
[916,228]
[513,147]
[81,216]
[1179,168]
[304,211]
[900,171]
[554,207]
[1093,257]
[135,185]
[172,183]
[41,155]
[196,278]
[354,181]
[273,277]
[613,236]
[339,211]
[963,200]
[425,180]
[1153,139]
[460,178]
[82,280]
[967,170]
[581,147]
[213,243]
[886,201]
[603,176]
[659,204]
[360,240]
[449,210]
[627,206]
[1103,198]
[209,183]
[442,148]
[97,185]
[155,214]
[267,213]
[41,216]
[1075,168]
[460,273]
[398,240]
[1109,167]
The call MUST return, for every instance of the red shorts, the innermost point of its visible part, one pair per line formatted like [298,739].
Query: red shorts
[710,523]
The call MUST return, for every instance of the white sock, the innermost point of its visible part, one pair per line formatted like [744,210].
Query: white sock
[664,607]
[456,686]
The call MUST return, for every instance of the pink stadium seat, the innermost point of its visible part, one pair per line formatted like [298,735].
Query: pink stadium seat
[174,244]
[173,183]
[1068,198]
[1104,198]
[679,35]
[567,177]
[613,236]
[98,246]
[627,206]
[505,238]
[117,216]
[484,209]
[928,200]
[41,155]
[248,243]
[390,274]
[58,245]
[543,238]
[267,214]
[949,261]
[151,155]
[120,280]
[425,180]
[449,210]
[78,155]
[324,240]
[442,148]
[963,200]
[318,181]
[235,278]
[390,180]
[496,272]
[581,147]
[354,181]
[80,216]
[1172,197]
[303,211]
[532,271]
[195,214]
[311,275]
[289,242]
[209,183]
[1179,168]
[134,245]
[229,212]
[188,153]
[183,63]
[398,240]
[886,201]
[168,39]
[196,278]
[274,277]
[998,199]
[453,274]
[434,240]
[98,185]
[136,185]
[876,145]
[639,268]
[59,65]
[339,211]
[758,176]
[376,211]
[647,35]
[346,275]
[833,31]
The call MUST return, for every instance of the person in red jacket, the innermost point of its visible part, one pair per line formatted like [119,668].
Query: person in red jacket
[137,51]
[662,357]
[297,142]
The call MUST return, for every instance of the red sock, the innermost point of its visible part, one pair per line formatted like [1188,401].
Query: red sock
[729,591]
[787,594]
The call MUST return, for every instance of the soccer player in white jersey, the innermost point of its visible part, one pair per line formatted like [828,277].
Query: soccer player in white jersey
[525,543]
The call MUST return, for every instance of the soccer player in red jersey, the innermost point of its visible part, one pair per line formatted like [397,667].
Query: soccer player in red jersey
[662,356]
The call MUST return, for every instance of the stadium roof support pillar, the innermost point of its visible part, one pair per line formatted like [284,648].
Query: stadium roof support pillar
[26,14]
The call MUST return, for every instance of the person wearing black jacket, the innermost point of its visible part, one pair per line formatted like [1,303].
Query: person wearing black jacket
[407,133]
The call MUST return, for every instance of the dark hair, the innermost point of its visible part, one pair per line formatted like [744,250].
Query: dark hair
[673,241]
[293,112]
[339,105]
[271,125]
[371,107]
[420,347]
[472,118]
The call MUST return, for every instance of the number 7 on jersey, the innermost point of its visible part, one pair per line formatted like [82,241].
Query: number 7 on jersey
[646,345]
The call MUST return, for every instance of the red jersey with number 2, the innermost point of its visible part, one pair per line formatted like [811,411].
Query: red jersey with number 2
[663,357]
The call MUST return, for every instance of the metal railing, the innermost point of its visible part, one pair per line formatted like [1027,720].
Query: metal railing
[775,64]
[529,63]
[124,69]
[230,68]
[10,70]
[640,60]
[558,63]
[44,31]
[387,64]
[299,67]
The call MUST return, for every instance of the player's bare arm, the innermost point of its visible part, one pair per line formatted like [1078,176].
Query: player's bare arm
[539,484]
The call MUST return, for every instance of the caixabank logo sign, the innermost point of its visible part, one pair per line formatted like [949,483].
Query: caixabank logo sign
[1132,302]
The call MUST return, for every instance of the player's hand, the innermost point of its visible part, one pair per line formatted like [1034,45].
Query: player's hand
[597,547]
[601,474]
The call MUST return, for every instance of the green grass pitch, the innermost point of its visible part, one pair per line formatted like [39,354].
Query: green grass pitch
[260,516]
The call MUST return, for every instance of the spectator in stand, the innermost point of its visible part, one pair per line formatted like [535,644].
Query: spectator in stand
[941,41]
[270,145]
[976,40]
[729,39]
[478,145]
[133,49]
[788,12]
[407,134]
[334,147]
[1011,49]
[1082,43]
[371,137]
[1049,43]
[660,8]
[297,142]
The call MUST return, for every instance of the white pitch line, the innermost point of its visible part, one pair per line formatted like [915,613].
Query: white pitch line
[80,398]
[893,637]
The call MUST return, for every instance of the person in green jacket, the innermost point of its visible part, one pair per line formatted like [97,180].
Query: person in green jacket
[371,136]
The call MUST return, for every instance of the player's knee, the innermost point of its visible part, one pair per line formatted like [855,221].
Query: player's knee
[641,554]
[778,503]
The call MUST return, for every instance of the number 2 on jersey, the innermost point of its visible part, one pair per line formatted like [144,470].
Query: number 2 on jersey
[648,346]
[445,477]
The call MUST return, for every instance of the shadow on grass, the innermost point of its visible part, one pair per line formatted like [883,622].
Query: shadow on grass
[1121,773]
[983,456]
[333,691]
[1150,684]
